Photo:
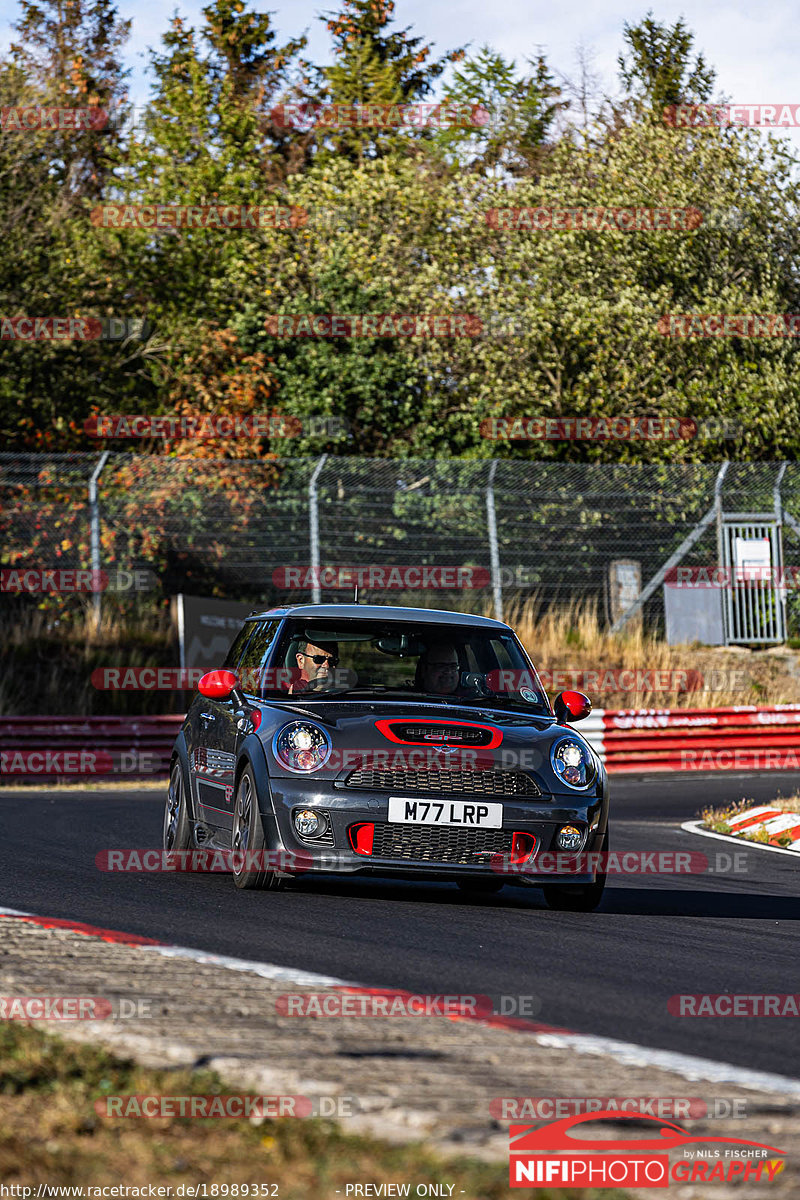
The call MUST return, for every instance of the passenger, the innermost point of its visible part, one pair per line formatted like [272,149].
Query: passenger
[438,669]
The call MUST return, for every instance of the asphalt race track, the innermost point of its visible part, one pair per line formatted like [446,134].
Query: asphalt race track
[609,973]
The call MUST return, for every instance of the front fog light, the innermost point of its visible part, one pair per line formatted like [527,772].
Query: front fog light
[569,838]
[307,823]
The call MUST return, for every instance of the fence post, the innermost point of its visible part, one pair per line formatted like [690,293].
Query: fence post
[494,553]
[777,499]
[780,585]
[722,546]
[94,519]
[313,529]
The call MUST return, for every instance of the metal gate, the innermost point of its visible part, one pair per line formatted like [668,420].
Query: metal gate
[754,598]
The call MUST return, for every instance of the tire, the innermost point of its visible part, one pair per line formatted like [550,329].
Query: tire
[176,833]
[481,887]
[577,897]
[247,834]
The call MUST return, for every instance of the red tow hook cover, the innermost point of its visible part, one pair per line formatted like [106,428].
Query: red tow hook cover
[361,837]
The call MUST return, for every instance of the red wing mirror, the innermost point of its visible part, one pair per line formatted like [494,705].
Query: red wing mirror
[218,685]
[570,706]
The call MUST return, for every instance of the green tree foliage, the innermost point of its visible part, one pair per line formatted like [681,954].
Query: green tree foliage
[658,70]
[397,220]
[513,114]
[65,56]
[374,63]
[70,55]
[411,72]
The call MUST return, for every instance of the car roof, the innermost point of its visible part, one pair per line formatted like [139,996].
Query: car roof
[379,612]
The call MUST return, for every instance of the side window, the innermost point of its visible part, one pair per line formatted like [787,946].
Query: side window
[255,655]
[234,655]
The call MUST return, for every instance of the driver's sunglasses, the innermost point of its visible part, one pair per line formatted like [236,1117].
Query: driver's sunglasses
[319,659]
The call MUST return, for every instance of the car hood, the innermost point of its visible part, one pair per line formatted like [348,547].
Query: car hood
[352,727]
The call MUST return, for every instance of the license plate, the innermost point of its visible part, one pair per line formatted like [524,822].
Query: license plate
[471,813]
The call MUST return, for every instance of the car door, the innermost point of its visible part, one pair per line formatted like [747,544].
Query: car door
[222,729]
[209,777]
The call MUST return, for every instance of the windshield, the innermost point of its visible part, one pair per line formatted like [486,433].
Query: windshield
[317,659]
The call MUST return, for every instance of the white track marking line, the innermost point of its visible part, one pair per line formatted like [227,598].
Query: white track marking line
[265,970]
[687,1065]
[692,827]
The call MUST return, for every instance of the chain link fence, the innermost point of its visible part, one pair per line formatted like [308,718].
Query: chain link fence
[284,529]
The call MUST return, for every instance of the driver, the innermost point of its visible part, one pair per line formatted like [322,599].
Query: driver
[316,665]
[438,670]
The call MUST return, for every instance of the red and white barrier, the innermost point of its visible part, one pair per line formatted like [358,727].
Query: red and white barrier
[78,749]
[742,738]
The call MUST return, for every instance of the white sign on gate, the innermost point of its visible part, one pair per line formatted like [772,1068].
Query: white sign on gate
[752,559]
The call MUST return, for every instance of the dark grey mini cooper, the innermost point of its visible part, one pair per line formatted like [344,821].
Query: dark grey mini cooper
[406,742]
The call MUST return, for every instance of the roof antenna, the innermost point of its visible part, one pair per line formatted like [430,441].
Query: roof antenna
[355,597]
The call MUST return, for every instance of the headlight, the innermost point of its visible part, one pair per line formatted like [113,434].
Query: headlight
[301,746]
[573,763]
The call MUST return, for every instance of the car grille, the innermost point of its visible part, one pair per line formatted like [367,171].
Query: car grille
[446,783]
[440,731]
[439,843]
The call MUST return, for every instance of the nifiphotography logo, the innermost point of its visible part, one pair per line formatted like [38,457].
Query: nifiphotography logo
[560,1155]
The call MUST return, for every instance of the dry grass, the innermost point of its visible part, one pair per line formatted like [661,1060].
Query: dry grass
[50,1134]
[49,660]
[49,657]
[571,638]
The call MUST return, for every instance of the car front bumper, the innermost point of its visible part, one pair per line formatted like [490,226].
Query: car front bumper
[418,851]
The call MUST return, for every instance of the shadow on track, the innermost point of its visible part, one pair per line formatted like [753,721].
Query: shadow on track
[695,903]
[678,902]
